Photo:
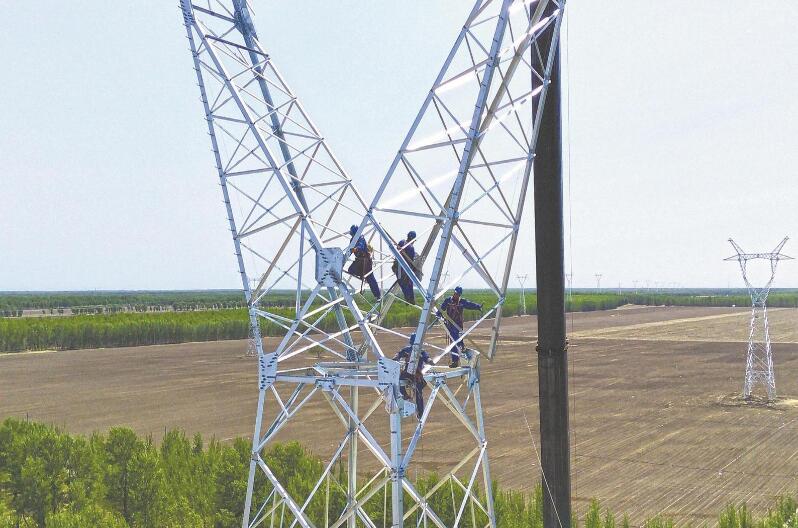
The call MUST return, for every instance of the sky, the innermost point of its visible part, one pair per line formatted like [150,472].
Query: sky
[680,121]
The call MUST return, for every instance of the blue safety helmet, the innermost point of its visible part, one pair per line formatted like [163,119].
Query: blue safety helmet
[411,236]
[458,290]
[352,230]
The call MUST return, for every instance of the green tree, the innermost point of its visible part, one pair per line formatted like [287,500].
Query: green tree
[148,493]
[8,519]
[91,516]
[593,515]
[120,448]
[733,517]
[35,487]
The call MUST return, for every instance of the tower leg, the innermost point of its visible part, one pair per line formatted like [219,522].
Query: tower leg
[771,378]
[759,358]
[486,479]
[352,486]
[397,471]
[750,355]
[253,465]
[258,342]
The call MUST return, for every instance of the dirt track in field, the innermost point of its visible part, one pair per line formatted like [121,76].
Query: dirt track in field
[656,428]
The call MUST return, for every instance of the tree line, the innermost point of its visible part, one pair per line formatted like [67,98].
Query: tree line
[107,299]
[51,479]
[153,328]
[156,328]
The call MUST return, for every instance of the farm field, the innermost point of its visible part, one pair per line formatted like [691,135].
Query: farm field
[656,427]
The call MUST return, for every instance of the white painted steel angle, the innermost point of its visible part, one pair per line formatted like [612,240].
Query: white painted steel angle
[267,370]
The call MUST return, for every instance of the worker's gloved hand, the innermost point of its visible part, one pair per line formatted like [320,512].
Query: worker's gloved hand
[480,307]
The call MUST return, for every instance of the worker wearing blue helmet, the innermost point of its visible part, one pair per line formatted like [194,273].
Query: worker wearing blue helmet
[409,249]
[453,307]
[408,253]
[417,378]
[362,266]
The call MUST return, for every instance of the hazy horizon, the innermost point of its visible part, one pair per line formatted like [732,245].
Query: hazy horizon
[602,289]
[678,135]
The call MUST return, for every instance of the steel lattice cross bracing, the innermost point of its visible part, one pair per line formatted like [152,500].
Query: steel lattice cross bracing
[459,181]
[759,358]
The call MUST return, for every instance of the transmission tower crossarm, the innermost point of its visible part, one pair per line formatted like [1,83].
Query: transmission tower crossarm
[543,88]
[244,22]
[777,249]
[431,94]
[285,172]
[738,250]
[469,150]
[518,54]
[236,96]
[776,254]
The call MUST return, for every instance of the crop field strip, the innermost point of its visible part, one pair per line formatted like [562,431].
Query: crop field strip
[181,317]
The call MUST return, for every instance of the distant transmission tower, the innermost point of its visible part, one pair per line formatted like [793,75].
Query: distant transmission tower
[445,277]
[570,277]
[759,360]
[522,280]
[252,345]
[598,281]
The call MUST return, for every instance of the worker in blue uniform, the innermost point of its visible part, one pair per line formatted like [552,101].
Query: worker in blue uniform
[416,378]
[362,266]
[453,307]
[408,253]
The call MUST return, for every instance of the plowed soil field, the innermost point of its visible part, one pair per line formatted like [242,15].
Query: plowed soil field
[657,427]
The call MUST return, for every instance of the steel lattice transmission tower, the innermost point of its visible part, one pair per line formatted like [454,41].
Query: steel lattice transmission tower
[522,281]
[759,359]
[252,347]
[459,181]
[569,279]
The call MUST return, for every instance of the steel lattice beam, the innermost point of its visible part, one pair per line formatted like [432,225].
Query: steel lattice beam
[463,170]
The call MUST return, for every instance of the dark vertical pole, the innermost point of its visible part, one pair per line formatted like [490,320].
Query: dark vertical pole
[552,351]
